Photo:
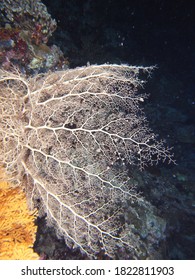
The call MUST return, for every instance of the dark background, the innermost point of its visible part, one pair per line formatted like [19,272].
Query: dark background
[136,32]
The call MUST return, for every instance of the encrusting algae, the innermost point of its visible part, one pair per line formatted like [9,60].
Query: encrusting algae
[17,228]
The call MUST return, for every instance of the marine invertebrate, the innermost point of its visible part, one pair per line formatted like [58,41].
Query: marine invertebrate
[71,134]
[17,228]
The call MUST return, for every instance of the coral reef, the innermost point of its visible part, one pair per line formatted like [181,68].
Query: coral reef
[17,228]
[72,135]
[25,29]
[30,16]
[12,48]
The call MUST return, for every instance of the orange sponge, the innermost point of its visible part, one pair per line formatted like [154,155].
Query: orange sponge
[17,228]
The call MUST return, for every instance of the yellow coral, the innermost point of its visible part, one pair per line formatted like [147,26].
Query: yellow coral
[17,228]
